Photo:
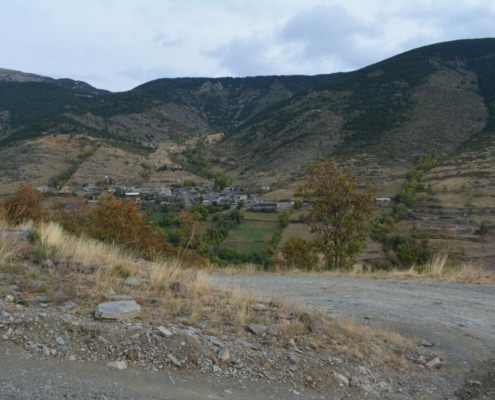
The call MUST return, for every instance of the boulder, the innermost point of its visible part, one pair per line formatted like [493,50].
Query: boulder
[125,309]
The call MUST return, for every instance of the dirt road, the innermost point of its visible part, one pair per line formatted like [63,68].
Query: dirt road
[457,320]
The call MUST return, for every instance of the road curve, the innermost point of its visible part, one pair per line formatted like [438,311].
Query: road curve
[458,319]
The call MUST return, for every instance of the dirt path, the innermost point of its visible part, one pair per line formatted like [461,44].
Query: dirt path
[457,320]
[25,377]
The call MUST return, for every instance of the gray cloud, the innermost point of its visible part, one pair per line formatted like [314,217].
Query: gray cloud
[323,32]
[245,57]
[118,45]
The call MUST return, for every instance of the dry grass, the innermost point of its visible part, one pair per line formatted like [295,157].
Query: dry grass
[87,251]
[440,268]
[368,343]
[12,247]
[202,304]
[115,265]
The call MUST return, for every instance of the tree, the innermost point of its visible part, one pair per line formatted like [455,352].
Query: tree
[340,213]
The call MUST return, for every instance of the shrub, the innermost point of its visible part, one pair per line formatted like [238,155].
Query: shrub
[119,221]
[25,205]
[300,253]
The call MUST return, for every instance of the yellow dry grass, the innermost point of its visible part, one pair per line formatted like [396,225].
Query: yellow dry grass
[202,302]
[440,268]
[10,246]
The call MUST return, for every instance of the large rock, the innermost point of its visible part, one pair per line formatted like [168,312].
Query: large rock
[125,309]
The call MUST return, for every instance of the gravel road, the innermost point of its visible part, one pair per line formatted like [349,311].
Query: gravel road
[24,377]
[403,305]
[457,320]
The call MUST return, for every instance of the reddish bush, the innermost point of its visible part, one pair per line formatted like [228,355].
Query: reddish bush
[70,212]
[119,221]
[25,205]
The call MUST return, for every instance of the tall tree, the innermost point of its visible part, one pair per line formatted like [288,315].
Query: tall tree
[340,212]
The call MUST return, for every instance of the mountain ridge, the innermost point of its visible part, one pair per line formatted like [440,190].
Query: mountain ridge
[434,99]
[10,75]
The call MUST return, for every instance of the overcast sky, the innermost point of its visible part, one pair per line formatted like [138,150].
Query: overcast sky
[120,44]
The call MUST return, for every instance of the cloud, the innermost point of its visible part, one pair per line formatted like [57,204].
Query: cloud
[117,45]
[244,57]
[323,32]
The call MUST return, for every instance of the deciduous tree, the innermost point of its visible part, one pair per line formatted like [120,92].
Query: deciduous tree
[340,212]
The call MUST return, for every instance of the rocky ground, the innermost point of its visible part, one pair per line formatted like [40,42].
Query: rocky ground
[57,349]
[256,354]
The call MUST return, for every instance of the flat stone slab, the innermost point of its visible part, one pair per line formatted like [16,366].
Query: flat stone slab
[125,309]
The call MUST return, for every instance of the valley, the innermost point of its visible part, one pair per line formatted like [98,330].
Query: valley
[265,131]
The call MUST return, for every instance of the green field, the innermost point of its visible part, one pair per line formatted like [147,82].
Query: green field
[261,216]
[254,233]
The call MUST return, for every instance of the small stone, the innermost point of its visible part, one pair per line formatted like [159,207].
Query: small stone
[271,332]
[425,343]
[132,281]
[120,365]
[4,314]
[247,344]
[214,341]
[174,360]
[46,350]
[343,381]
[224,354]
[9,298]
[8,333]
[32,348]
[267,366]
[256,329]
[162,331]
[117,297]
[435,363]
[60,341]
[259,307]
[293,358]
[66,306]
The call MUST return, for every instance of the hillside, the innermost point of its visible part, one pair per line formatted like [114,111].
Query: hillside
[133,132]
[376,120]
[9,75]
[429,100]
[437,99]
